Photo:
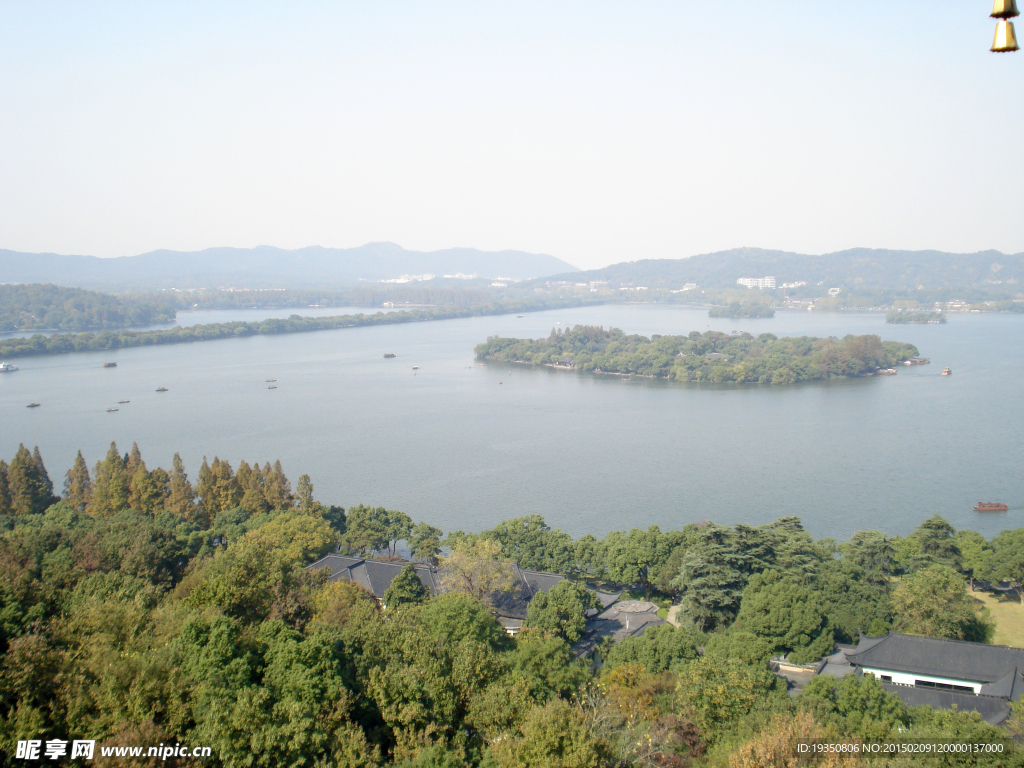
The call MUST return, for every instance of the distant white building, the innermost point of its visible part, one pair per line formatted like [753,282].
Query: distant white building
[797,284]
[834,291]
[757,282]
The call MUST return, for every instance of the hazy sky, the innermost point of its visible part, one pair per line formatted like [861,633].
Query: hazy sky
[597,132]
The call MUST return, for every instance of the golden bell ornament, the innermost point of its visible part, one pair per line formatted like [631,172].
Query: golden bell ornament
[1004,9]
[1005,39]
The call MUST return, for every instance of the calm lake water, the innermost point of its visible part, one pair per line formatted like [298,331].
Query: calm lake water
[465,446]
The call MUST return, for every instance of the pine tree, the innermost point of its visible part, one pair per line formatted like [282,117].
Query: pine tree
[405,588]
[138,480]
[146,494]
[110,490]
[27,485]
[161,483]
[78,485]
[181,498]
[132,461]
[304,493]
[5,490]
[254,502]
[205,490]
[276,487]
[227,492]
[44,477]
[242,476]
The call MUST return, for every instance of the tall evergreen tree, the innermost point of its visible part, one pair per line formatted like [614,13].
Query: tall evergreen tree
[78,485]
[304,493]
[111,487]
[226,491]
[44,477]
[405,588]
[207,497]
[31,491]
[5,490]
[133,460]
[253,500]
[242,476]
[181,497]
[712,577]
[146,492]
[938,544]
[276,486]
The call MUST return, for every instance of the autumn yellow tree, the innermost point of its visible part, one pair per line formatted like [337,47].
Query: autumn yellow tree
[475,568]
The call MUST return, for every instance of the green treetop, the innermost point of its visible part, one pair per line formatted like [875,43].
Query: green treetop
[405,588]
[788,613]
[934,602]
[78,485]
[562,610]
[1007,559]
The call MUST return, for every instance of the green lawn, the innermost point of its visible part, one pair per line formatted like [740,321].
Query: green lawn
[1009,616]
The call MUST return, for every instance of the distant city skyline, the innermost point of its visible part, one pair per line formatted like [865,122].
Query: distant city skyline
[594,132]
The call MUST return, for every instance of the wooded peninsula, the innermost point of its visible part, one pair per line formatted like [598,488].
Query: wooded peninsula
[60,343]
[704,357]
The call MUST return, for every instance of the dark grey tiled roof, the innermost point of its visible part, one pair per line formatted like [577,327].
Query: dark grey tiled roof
[940,658]
[377,575]
[617,625]
[993,710]
[1009,687]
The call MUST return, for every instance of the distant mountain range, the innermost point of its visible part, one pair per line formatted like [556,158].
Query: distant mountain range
[855,269]
[268,267]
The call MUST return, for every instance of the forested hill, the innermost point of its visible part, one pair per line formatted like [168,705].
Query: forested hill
[268,267]
[31,307]
[859,268]
[711,356]
[141,607]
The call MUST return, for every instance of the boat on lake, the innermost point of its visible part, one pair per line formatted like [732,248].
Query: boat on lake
[122,402]
[947,371]
[111,410]
[7,368]
[271,379]
[990,506]
[389,354]
[32,405]
[886,371]
[161,389]
[415,367]
[110,365]
[272,386]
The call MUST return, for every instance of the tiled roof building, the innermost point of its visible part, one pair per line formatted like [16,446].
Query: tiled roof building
[376,576]
[939,673]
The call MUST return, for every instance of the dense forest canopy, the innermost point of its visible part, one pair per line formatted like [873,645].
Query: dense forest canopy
[711,356]
[35,306]
[140,607]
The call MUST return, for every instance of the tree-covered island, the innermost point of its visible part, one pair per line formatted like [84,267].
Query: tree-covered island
[736,309]
[914,317]
[711,356]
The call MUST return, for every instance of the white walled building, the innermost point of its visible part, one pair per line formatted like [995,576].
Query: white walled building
[757,282]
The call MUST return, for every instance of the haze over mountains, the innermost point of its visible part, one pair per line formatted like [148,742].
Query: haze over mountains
[861,268]
[269,267]
[336,268]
